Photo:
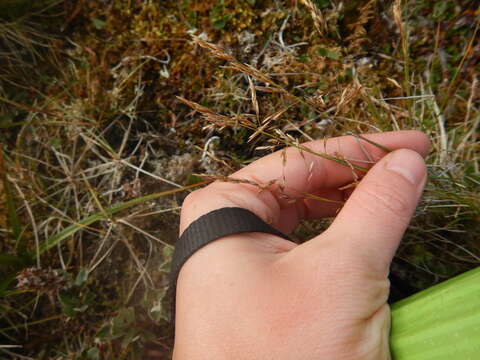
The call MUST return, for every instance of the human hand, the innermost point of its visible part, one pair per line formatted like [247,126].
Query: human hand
[258,296]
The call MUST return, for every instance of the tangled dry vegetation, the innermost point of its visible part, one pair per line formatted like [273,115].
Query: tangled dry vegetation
[108,109]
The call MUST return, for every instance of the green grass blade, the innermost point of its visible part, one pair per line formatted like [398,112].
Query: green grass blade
[13,219]
[11,260]
[24,107]
[8,293]
[442,322]
[72,229]
[380,146]
[5,283]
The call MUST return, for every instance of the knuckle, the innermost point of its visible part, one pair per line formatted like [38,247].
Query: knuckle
[192,199]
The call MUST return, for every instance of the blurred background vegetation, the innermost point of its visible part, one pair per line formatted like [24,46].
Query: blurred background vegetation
[97,149]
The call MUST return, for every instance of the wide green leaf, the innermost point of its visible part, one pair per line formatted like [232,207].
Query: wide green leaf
[440,323]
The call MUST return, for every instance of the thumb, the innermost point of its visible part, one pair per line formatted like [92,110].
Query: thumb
[375,217]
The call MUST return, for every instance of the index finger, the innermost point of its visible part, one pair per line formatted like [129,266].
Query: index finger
[294,173]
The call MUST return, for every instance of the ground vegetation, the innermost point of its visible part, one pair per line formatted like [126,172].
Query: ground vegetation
[111,111]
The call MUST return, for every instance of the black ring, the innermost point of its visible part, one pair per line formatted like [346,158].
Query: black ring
[212,226]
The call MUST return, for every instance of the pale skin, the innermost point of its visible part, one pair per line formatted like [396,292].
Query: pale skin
[258,296]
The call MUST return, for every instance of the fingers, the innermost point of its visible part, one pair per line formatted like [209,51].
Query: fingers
[375,217]
[296,173]
[299,172]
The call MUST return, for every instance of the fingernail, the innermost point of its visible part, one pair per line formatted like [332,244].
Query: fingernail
[408,164]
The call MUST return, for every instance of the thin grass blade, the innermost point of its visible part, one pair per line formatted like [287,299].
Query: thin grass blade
[13,219]
[107,213]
